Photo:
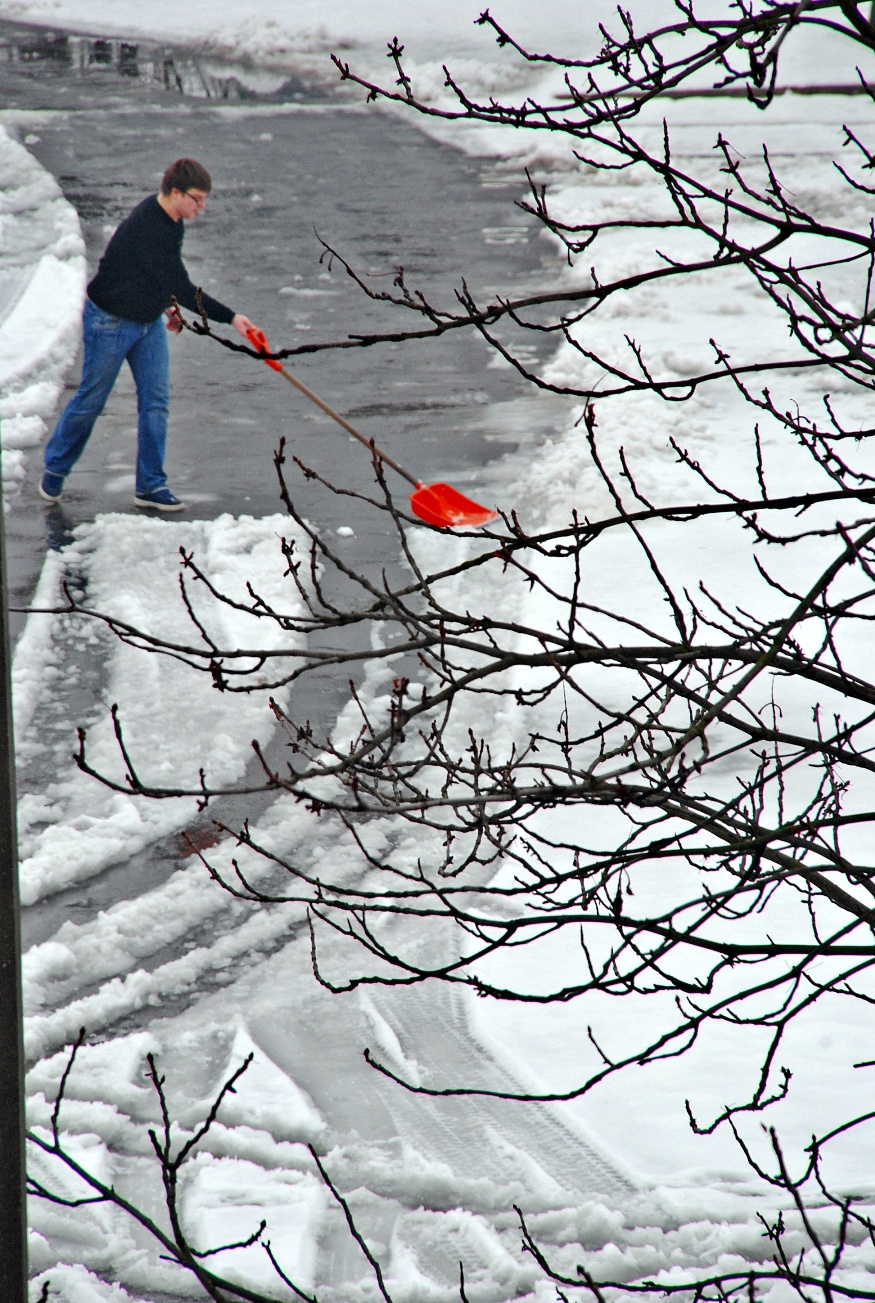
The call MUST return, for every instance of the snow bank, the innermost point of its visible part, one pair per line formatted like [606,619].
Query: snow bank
[42,286]
[279,31]
[72,1284]
[285,33]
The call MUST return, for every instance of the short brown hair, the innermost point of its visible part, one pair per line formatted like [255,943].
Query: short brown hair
[186,174]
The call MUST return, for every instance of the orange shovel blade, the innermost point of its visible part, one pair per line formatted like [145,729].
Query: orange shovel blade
[441,504]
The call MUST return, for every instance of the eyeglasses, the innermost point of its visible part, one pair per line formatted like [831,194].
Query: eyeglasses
[200,200]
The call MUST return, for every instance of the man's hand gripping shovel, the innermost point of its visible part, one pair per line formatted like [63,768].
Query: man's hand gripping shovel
[436,504]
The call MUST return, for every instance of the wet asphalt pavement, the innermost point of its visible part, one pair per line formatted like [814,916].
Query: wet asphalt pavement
[284,167]
[369,184]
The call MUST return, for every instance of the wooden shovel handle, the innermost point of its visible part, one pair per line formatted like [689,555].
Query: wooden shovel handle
[259,341]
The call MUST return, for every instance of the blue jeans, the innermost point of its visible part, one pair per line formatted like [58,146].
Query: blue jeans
[109,341]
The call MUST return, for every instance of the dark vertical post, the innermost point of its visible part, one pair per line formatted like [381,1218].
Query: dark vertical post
[13,1207]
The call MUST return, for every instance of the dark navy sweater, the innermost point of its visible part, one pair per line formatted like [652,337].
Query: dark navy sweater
[142,269]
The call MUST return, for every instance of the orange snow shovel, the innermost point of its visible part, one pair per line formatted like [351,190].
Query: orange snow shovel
[436,504]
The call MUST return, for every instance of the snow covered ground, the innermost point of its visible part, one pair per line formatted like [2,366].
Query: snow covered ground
[186,972]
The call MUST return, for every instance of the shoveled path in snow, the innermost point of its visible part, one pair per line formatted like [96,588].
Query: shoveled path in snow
[376,187]
[379,190]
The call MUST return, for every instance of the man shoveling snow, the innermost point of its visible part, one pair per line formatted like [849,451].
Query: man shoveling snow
[139,275]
